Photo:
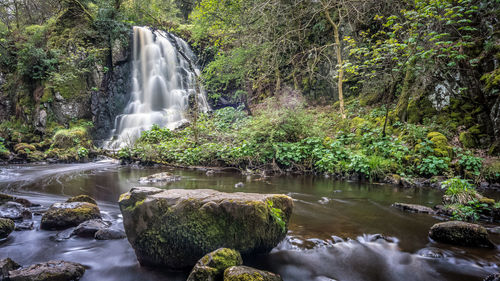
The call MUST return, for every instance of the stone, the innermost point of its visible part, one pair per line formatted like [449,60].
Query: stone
[90,227]
[239,185]
[160,177]
[245,273]
[82,198]
[25,225]
[461,233]
[393,179]
[64,235]
[5,198]
[25,202]
[7,265]
[494,230]
[6,227]
[109,234]
[64,215]
[14,211]
[492,277]
[212,265]
[175,228]
[413,208]
[49,271]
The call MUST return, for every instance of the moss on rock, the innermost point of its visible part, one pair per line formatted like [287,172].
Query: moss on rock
[6,227]
[461,233]
[82,198]
[212,265]
[245,273]
[64,215]
[440,144]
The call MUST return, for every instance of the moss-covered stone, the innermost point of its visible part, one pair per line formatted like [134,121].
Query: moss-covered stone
[440,144]
[82,198]
[212,265]
[467,140]
[64,215]
[49,271]
[245,273]
[461,233]
[5,198]
[68,138]
[24,147]
[176,227]
[6,227]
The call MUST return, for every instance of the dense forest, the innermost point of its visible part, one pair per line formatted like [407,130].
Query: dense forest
[360,89]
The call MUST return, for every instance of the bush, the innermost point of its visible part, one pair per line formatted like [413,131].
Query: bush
[470,164]
[432,165]
[459,191]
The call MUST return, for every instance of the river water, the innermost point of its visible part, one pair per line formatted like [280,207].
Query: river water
[334,234]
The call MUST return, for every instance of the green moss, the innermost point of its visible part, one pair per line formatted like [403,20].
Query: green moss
[67,138]
[440,144]
[5,198]
[467,140]
[25,147]
[82,198]
[6,227]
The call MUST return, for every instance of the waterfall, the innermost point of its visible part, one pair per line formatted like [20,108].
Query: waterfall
[161,85]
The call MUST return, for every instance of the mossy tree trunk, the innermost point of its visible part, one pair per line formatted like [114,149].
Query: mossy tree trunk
[402,106]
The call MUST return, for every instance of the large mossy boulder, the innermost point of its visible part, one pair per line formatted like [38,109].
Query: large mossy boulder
[49,271]
[175,228]
[64,215]
[211,266]
[461,233]
[245,273]
[6,227]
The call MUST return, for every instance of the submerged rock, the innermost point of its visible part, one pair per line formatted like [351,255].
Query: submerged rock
[49,271]
[461,233]
[211,266]
[63,215]
[109,234]
[90,227]
[82,198]
[7,265]
[413,208]
[176,227]
[160,177]
[6,227]
[14,211]
[245,273]
[25,225]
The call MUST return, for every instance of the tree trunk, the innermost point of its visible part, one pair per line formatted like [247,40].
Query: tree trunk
[402,105]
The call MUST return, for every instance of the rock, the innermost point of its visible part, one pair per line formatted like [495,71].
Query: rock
[25,202]
[160,177]
[90,227]
[393,179]
[212,265]
[461,233]
[49,271]
[64,235]
[7,265]
[14,211]
[413,208]
[109,234]
[5,198]
[245,273]
[492,277]
[494,230]
[210,173]
[26,225]
[176,227]
[82,198]
[63,215]
[239,185]
[6,227]
[406,183]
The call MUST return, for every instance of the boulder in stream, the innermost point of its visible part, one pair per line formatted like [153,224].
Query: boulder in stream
[7,265]
[49,271]
[5,198]
[413,208]
[64,215]
[176,227]
[211,266]
[110,234]
[14,211]
[461,233]
[6,227]
[160,177]
[245,273]
[82,198]
[90,227]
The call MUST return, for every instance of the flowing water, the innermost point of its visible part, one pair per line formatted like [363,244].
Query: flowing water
[162,81]
[335,231]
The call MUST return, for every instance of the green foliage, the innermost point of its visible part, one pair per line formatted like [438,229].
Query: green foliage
[470,163]
[155,135]
[277,214]
[432,165]
[459,191]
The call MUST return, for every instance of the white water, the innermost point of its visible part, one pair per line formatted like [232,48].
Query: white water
[161,85]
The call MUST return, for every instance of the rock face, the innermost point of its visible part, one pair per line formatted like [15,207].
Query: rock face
[6,227]
[49,271]
[211,266]
[461,233]
[175,228]
[7,265]
[413,208]
[160,177]
[63,215]
[245,273]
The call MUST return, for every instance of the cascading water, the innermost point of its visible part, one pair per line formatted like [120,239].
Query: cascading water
[162,81]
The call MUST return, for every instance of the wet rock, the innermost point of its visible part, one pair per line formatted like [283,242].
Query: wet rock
[64,235]
[245,273]
[63,215]
[239,185]
[14,211]
[493,277]
[25,225]
[210,173]
[109,234]
[5,198]
[49,271]
[393,179]
[90,227]
[6,227]
[413,208]
[160,177]
[212,265]
[461,233]
[494,230]
[176,227]
[406,183]
[7,265]
[25,202]
[82,198]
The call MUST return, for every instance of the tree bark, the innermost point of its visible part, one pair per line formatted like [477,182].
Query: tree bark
[402,106]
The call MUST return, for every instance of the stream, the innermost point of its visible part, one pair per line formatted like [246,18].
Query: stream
[335,232]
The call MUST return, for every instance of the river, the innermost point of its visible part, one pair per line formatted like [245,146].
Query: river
[334,233]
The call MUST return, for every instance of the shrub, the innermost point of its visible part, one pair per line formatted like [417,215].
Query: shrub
[459,191]
[432,165]
[470,163]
